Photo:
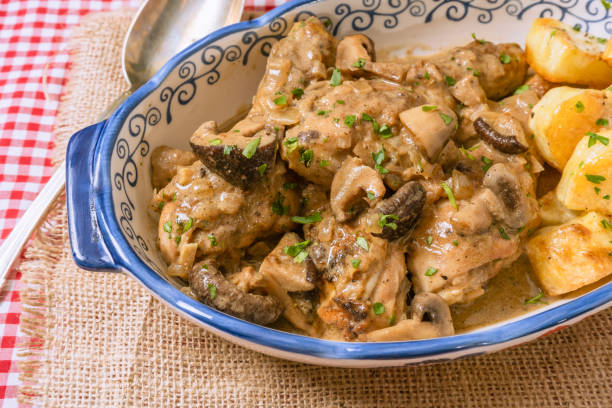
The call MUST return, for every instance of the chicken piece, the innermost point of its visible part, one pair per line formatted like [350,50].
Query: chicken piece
[165,162]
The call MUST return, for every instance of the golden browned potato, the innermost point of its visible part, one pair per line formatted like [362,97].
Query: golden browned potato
[553,212]
[572,255]
[562,117]
[586,182]
[607,54]
[562,55]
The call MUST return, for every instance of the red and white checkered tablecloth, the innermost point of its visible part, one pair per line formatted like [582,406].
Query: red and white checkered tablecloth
[34,65]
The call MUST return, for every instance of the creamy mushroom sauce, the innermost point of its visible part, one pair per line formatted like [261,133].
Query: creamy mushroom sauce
[361,199]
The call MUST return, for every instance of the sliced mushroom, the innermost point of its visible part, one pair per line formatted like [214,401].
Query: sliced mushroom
[502,181]
[242,155]
[213,289]
[293,270]
[355,187]
[505,143]
[353,52]
[433,306]
[403,209]
[430,126]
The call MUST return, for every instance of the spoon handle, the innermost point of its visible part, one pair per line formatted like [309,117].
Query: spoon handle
[12,246]
[114,105]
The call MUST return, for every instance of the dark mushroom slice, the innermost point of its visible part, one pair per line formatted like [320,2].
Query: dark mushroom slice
[504,143]
[213,289]
[353,52]
[240,159]
[402,211]
[432,307]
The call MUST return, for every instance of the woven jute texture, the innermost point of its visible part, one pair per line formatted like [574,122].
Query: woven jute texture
[99,340]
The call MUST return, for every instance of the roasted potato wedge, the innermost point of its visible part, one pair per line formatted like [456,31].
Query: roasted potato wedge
[563,55]
[572,255]
[586,182]
[553,212]
[562,117]
[607,54]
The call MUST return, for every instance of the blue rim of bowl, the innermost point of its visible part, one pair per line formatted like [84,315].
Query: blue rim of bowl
[271,338]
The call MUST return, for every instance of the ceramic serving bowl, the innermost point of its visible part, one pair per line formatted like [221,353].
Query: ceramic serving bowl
[108,165]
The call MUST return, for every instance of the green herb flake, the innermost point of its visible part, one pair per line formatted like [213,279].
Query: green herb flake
[160,206]
[306,157]
[291,143]
[392,320]
[602,122]
[356,263]
[227,149]
[297,92]
[480,41]
[215,142]
[594,138]
[385,132]
[488,163]
[579,107]
[298,251]
[606,4]
[466,153]
[340,102]
[289,186]
[349,120]
[278,207]
[316,217]
[378,158]
[553,33]
[606,224]
[577,27]
[236,130]
[449,193]
[431,271]
[426,76]
[521,89]
[595,179]
[450,81]
[371,195]
[360,63]
[378,308]
[602,40]
[212,291]
[536,299]
[281,100]
[597,190]
[168,226]
[447,119]
[429,240]
[363,243]
[324,163]
[383,221]
[250,148]
[455,243]
[187,224]
[336,78]
[213,240]
[606,197]
[503,233]
[505,59]
[174,196]
[262,169]
[429,108]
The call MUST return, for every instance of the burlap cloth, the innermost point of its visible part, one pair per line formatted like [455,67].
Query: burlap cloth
[98,339]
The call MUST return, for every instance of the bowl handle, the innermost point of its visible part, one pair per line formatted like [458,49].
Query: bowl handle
[88,247]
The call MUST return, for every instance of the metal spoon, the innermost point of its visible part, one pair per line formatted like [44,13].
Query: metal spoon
[159,30]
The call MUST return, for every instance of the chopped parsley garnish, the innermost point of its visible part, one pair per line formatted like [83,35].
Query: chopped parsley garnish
[521,89]
[447,119]
[382,222]
[297,92]
[503,233]
[378,158]
[316,217]
[602,40]
[577,27]
[336,78]
[378,308]
[356,263]
[215,142]
[449,193]
[363,243]
[606,4]
[431,271]
[429,108]
[606,224]
[187,224]
[429,240]
[360,63]
[324,163]
[291,143]
[212,291]
[340,102]
[597,190]
[290,186]
[385,132]
[455,243]
[579,107]
[297,251]
[536,299]
[349,120]
[594,138]
[174,196]
[371,195]
[262,169]
[488,163]
[306,157]
[168,226]
[450,81]
[426,76]
[367,118]
[227,149]
[553,33]
[505,59]
[278,207]
[250,148]
[466,153]
[602,122]
[236,130]
[213,240]
[595,179]
[480,41]
[606,197]
[280,100]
